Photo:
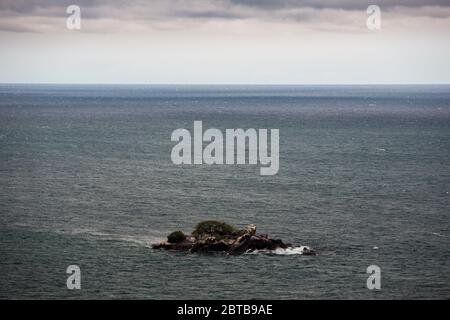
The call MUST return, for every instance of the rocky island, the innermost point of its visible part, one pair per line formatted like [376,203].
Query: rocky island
[215,236]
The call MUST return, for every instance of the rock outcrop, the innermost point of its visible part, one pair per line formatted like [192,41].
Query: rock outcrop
[233,243]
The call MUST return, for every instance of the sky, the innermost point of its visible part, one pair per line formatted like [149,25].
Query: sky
[225,42]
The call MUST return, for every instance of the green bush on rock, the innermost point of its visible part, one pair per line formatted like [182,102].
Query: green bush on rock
[176,237]
[214,228]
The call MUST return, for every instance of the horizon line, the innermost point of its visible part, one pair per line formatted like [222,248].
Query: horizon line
[225,84]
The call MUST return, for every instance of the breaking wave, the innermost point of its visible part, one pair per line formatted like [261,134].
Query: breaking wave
[285,252]
[145,241]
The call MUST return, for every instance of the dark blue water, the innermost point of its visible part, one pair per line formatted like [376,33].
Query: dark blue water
[86,179]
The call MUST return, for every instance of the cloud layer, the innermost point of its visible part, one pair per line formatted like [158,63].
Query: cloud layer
[225,41]
[107,16]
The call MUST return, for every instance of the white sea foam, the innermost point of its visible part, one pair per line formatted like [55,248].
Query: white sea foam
[286,252]
[145,241]
[437,234]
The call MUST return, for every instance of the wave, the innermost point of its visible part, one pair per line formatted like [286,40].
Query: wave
[284,252]
[145,241]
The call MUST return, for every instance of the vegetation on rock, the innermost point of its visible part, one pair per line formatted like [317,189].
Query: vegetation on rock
[212,227]
[176,237]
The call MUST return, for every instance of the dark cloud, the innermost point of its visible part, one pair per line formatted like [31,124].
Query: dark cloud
[146,12]
[333,4]
[218,14]
[182,7]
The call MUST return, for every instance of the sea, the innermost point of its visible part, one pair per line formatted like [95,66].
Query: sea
[86,179]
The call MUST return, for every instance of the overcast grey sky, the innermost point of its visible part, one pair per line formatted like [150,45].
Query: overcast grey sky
[225,41]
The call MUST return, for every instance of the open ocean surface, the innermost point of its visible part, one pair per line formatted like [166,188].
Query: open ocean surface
[86,179]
